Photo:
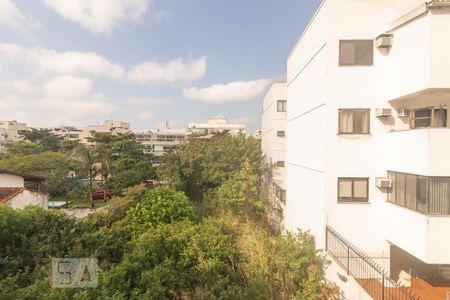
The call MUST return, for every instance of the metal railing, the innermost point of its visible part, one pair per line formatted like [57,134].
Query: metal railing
[369,275]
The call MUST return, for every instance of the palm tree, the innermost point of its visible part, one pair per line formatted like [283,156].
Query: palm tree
[89,158]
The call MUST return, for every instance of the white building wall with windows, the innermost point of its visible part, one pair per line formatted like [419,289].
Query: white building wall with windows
[411,74]
[273,145]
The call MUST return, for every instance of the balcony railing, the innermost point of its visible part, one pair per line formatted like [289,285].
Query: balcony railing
[425,194]
[368,274]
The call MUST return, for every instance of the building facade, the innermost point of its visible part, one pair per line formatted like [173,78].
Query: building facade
[110,126]
[9,133]
[214,125]
[367,133]
[273,145]
[161,140]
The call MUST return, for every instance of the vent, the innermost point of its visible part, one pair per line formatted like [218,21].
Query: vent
[383,183]
[384,41]
[383,112]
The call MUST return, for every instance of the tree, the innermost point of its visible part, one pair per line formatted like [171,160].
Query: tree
[88,158]
[45,137]
[53,166]
[158,207]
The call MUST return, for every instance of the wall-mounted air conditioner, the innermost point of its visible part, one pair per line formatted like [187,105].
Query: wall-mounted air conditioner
[403,112]
[384,41]
[383,112]
[383,182]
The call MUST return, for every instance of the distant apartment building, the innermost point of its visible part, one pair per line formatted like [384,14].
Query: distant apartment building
[67,132]
[9,133]
[2,140]
[368,88]
[273,144]
[110,126]
[161,140]
[214,125]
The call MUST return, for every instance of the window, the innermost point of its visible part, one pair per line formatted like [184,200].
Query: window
[428,117]
[281,134]
[353,189]
[424,194]
[356,52]
[354,121]
[281,105]
[280,164]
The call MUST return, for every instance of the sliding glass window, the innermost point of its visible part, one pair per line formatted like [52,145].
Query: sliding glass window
[429,195]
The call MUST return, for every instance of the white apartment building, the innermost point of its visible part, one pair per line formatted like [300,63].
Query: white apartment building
[273,145]
[11,130]
[110,126]
[67,132]
[2,140]
[161,140]
[216,125]
[368,141]
[9,133]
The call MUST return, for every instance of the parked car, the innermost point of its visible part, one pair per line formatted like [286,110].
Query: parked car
[102,195]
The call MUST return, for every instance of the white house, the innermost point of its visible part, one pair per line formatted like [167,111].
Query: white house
[9,133]
[273,145]
[368,87]
[19,191]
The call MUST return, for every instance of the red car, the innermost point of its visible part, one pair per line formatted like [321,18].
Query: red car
[102,195]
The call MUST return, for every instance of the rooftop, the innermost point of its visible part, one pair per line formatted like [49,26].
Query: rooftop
[24,176]
[9,193]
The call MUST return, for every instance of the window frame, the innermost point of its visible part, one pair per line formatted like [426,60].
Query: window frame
[281,133]
[353,179]
[340,132]
[283,104]
[280,164]
[341,42]
[432,117]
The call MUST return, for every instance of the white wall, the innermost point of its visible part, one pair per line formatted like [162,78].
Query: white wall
[7,180]
[317,88]
[29,198]
[274,147]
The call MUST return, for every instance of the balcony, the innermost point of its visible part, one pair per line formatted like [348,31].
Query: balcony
[418,61]
[423,151]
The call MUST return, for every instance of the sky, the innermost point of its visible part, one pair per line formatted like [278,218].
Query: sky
[80,62]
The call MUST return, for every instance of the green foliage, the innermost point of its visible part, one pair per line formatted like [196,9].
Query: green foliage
[180,260]
[158,207]
[29,238]
[154,244]
[48,140]
[25,148]
[204,165]
[53,166]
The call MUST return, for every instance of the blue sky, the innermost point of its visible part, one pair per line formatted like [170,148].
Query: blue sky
[79,62]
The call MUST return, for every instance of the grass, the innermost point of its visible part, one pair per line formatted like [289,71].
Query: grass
[81,203]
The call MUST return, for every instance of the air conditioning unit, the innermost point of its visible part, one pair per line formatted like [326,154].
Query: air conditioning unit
[384,41]
[383,112]
[383,182]
[403,112]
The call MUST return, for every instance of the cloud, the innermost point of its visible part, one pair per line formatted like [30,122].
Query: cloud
[147,102]
[238,91]
[12,17]
[145,115]
[103,16]
[62,100]
[71,62]
[23,87]
[169,72]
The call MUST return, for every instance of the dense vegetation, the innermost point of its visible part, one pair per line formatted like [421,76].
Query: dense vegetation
[203,236]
